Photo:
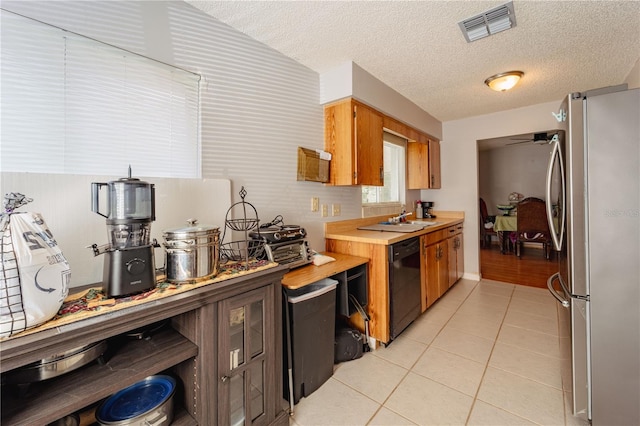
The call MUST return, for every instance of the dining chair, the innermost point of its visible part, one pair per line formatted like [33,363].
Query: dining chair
[486,232]
[532,225]
[532,199]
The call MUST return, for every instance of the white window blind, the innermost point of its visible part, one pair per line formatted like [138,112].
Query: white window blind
[74,105]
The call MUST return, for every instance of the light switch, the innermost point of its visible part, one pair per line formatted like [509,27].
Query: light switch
[335,210]
[325,210]
[315,202]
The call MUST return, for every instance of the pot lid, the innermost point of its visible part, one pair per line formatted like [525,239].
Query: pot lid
[136,400]
[192,230]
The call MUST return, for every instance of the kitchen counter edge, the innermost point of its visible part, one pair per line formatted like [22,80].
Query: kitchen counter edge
[387,238]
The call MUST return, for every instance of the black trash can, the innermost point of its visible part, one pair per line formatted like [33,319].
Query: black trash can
[310,342]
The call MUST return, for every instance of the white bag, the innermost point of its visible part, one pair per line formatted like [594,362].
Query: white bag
[34,279]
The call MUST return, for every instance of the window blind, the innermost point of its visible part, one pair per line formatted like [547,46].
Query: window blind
[74,105]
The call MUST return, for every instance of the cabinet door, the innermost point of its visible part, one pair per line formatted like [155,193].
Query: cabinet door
[338,140]
[424,275]
[459,257]
[443,267]
[245,358]
[456,259]
[434,164]
[452,275]
[368,146]
[418,165]
[435,270]
[353,135]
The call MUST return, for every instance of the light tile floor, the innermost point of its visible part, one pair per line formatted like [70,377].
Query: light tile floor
[486,353]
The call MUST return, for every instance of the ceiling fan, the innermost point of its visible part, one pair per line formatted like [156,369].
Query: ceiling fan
[538,139]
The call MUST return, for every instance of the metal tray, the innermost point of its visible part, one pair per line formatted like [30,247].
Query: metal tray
[56,365]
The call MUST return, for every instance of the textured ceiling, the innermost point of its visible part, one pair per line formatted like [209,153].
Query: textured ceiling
[417,47]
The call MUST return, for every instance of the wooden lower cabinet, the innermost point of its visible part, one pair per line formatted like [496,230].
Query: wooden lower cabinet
[245,358]
[442,262]
[378,282]
[223,343]
[456,258]
[434,269]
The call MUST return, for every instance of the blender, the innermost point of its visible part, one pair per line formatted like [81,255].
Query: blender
[129,264]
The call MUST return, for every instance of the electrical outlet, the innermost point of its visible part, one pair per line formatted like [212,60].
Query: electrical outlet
[315,202]
[335,210]
[325,210]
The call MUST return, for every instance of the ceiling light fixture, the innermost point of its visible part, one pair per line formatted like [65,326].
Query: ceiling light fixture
[504,81]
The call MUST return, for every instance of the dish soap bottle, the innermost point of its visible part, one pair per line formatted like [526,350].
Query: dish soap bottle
[418,209]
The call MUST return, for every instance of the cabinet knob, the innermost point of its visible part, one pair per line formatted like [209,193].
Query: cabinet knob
[224,378]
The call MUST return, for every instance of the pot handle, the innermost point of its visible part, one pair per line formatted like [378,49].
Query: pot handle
[179,243]
[177,250]
[95,192]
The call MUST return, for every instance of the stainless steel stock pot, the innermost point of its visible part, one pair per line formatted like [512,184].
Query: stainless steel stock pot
[191,253]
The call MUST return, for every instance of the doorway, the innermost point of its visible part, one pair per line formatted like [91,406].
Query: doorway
[506,165]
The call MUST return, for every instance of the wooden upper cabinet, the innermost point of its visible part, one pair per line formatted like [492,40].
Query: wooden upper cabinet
[423,165]
[395,126]
[434,164]
[353,136]
[417,165]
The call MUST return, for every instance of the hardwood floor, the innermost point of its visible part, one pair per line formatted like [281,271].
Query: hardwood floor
[532,269]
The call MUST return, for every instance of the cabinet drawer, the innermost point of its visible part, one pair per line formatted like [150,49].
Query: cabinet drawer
[452,230]
[459,228]
[434,237]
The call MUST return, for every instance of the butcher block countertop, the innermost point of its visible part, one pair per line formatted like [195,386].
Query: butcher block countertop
[311,273]
[347,230]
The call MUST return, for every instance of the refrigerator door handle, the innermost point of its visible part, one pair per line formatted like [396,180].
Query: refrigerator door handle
[557,234]
[564,302]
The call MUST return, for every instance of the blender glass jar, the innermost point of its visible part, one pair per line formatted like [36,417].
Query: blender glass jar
[130,211]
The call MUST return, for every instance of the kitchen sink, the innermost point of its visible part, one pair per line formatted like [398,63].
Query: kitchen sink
[398,227]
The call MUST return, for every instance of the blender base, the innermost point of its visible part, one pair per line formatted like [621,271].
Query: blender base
[129,271]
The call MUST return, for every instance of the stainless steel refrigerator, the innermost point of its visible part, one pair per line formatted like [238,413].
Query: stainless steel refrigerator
[593,207]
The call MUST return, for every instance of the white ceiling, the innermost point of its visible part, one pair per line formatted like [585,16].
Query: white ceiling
[417,47]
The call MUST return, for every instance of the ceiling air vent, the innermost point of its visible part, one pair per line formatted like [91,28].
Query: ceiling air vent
[488,23]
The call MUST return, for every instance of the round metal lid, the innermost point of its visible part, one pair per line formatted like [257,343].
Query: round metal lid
[190,231]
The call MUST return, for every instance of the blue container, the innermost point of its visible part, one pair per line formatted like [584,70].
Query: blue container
[148,402]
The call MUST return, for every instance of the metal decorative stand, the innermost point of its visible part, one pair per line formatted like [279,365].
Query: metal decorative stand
[245,220]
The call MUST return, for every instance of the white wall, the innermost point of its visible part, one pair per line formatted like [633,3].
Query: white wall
[258,106]
[517,168]
[633,79]
[350,80]
[459,159]
[65,204]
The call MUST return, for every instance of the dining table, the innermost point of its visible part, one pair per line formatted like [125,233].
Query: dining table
[504,226]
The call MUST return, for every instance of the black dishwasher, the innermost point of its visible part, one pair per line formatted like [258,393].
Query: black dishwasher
[404,285]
